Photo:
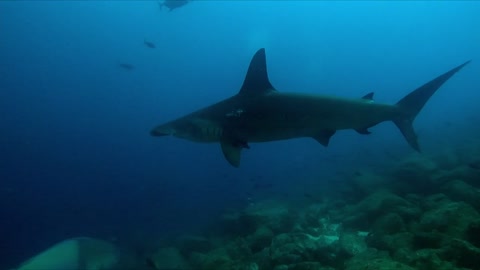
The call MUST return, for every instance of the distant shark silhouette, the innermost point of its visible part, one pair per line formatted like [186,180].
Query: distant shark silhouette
[81,253]
[259,113]
[172,4]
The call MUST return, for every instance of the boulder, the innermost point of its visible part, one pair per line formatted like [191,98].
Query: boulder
[374,259]
[274,215]
[169,258]
[294,248]
[190,243]
[352,243]
[458,190]
[453,219]
[362,215]
[262,238]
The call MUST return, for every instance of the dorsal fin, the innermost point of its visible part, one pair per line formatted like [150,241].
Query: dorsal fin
[368,96]
[256,81]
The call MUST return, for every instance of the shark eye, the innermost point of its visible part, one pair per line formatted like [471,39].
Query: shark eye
[235,113]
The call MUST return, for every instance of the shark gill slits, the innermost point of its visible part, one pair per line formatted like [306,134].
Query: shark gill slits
[204,131]
[212,132]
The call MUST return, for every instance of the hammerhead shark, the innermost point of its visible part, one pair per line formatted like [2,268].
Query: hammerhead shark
[80,253]
[260,113]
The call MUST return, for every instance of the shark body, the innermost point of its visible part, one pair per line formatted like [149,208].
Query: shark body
[260,113]
[81,253]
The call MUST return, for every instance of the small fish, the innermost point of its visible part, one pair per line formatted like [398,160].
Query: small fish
[308,195]
[474,165]
[126,66]
[357,173]
[149,44]
[259,186]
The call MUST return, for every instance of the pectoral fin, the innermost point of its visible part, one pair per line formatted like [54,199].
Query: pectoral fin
[324,136]
[232,152]
[363,131]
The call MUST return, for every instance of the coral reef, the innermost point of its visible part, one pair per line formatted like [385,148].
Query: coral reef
[421,213]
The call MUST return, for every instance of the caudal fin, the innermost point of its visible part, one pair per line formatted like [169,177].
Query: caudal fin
[413,103]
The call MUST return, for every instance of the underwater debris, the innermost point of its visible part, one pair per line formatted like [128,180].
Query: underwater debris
[126,66]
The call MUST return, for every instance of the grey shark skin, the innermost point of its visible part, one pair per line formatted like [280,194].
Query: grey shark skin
[81,253]
[260,113]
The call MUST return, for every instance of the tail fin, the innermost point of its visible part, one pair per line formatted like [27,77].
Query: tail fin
[413,103]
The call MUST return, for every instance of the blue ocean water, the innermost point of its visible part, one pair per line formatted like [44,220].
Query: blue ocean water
[76,154]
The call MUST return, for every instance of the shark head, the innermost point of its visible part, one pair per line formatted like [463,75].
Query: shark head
[163,130]
[191,128]
[222,121]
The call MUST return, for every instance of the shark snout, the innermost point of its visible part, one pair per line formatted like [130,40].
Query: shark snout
[161,131]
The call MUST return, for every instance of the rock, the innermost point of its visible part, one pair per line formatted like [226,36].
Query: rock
[262,238]
[379,264]
[169,258]
[428,259]
[352,244]
[399,240]
[189,243]
[453,219]
[473,233]
[433,201]
[262,259]
[390,242]
[372,259]
[368,182]
[274,215]
[246,266]
[376,205]
[308,266]
[462,253]
[415,175]
[313,214]
[427,240]
[460,191]
[215,259]
[239,249]
[466,173]
[388,224]
[295,248]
